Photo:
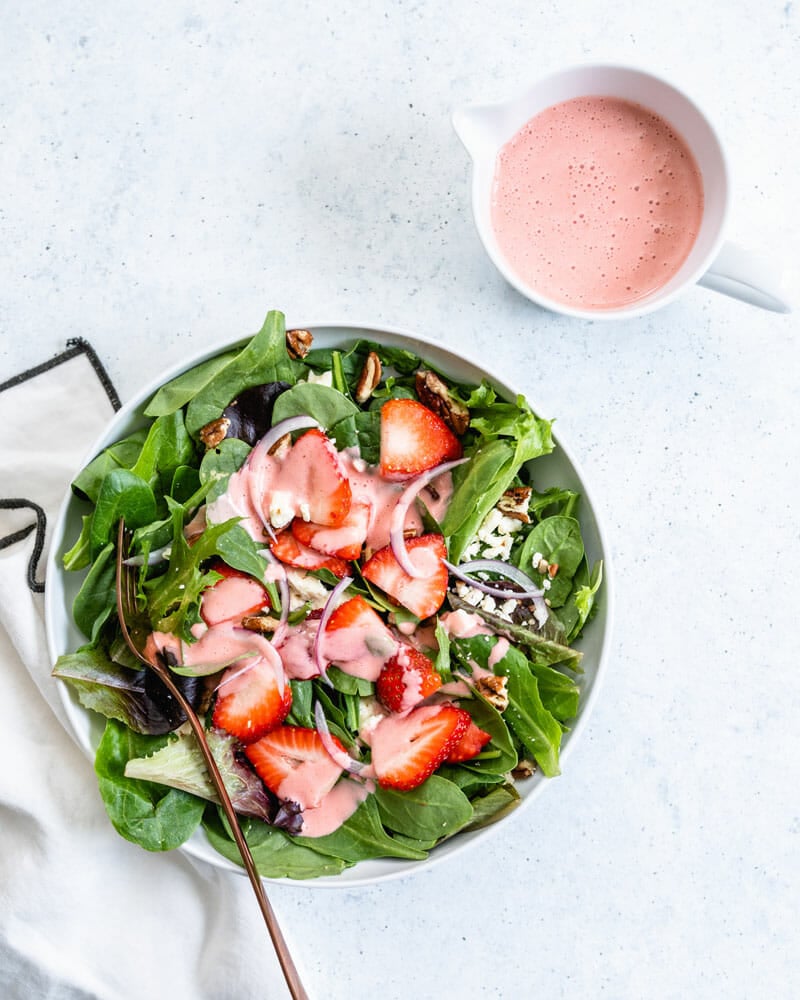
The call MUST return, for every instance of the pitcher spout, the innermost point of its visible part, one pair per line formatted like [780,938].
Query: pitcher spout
[480,127]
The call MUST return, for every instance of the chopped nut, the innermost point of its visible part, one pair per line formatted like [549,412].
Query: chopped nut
[542,566]
[514,503]
[436,396]
[215,432]
[260,623]
[552,569]
[298,343]
[370,377]
[494,691]
[524,769]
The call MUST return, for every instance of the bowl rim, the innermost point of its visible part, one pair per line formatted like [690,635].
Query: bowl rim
[343,330]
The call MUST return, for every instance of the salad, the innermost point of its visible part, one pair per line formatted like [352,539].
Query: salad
[346,562]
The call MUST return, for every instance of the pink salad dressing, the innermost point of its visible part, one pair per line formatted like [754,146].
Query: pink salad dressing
[231,597]
[267,476]
[337,806]
[596,202]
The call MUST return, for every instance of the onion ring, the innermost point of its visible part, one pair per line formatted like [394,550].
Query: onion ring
[397,523]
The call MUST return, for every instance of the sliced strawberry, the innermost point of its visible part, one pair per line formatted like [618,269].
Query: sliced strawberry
[252,698]
[232,597]
[470,744]
[286,548]
[407,749]
[407,679]
[423,595]
[413,439]
[345,540]
[357,614]
[357,640]
[293,763]
[316,480]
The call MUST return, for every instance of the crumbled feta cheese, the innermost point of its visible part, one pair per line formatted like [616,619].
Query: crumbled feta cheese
[537,558]
[488,603]
[546,584]
[508,525]
[324,378]
[506,608]
[281,508]
[306,588]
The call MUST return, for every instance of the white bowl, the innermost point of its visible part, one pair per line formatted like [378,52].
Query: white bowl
[559,468]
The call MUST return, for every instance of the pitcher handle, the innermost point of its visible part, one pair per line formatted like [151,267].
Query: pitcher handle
[737,273]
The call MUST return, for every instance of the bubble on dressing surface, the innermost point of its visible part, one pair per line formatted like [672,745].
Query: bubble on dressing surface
[580,206]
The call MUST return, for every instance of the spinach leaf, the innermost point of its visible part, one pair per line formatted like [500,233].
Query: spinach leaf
[219,464]
[321,402]
[361,836]
[263,359]
[487,718]
[435,809]
[80,555]
[536,728]
[360,430]
[122,494]
[166,448]
[302,713]
[97,597]
[493,806]
[559,540]
[274,852]
[121,455]
[153,816]
[584,600]
[177,393]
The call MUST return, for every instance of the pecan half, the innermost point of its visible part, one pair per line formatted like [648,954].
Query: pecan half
[214,432]
[369,378]
[514,503]
[494,690]
[524,769]
[434,394]
[298,343]
[260,623]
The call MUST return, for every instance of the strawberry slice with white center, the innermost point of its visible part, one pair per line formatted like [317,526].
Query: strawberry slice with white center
[407,749]
[413,439]
[293,553]
[253,696]
[312,483]
[422,595]
[293,763]
[232,597]
[345,541]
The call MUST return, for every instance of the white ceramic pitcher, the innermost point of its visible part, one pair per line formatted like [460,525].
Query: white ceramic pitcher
[725,267]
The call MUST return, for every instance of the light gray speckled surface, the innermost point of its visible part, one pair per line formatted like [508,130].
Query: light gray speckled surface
[169,175]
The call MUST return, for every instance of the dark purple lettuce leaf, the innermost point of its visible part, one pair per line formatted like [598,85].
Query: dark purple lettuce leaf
[136,698]
[250,414]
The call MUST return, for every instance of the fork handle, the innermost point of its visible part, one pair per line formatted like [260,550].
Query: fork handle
[288,967]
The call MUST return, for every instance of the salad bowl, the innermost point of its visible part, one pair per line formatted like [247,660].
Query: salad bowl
[559,468]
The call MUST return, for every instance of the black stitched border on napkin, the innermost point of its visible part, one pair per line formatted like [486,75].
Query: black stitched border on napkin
[75,346]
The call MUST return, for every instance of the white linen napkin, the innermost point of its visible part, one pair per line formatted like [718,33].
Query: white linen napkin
[83,913]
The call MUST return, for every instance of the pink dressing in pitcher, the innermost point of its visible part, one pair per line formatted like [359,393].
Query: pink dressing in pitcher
[596,203]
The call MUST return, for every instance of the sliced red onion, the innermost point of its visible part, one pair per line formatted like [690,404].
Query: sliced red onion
[337,755]
[156,556]
[274,434]
[528,592]
[327,611]
[407,497]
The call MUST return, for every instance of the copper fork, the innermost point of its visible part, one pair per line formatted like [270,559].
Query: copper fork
[129,621]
